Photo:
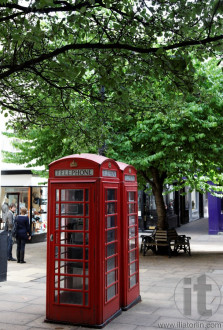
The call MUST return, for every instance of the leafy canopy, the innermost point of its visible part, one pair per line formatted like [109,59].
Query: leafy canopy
[155,127]
[55,54]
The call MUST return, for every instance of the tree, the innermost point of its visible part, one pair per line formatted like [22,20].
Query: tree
[177,140]
[54,52]
[170,137]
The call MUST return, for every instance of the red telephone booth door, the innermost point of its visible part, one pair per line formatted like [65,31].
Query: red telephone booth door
[70,268]
[132,280]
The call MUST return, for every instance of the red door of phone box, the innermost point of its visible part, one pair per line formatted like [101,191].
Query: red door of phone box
[129,232]
[83,242]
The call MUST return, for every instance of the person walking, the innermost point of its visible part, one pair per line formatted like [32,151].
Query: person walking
[23,234]
[5,209]
[8,227]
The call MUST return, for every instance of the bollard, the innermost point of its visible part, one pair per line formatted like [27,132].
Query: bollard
[3,255]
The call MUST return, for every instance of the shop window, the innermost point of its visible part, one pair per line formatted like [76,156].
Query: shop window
[39,210]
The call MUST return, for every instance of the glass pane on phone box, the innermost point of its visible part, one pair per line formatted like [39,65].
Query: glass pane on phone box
[111,292]
[111,278]
[62,263]
[56,252]
[132,232]
[111,221]
[63,251]
[86,268]
[86,238]
[111,249]
[132,281]
[111,195]
[57,223]
[71,282]
[72,253]
[111,263]
[57,195]
[132,268]
[86,254]
[132,220]
[132,256]
[56,266]
[72,195]
[55,296]
[72,223]
[86,209]
[86,195]
[70,297]
[131,208]
[76,238]
[86,283]
[63,236]
[132,244]
[86,224]
[131,196]
[110,235]
[57,209]
[56,281]
[72,209]
[110,208]
[75,268]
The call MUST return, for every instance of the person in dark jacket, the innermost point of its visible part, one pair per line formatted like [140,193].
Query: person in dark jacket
[22,234]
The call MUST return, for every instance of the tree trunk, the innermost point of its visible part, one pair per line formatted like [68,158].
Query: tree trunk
[157,189]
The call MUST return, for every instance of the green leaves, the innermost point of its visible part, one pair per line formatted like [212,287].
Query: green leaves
[159,107]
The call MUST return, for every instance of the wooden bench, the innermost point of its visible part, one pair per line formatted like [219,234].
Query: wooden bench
[165,238]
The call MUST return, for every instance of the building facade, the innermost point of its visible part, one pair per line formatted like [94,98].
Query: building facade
[181,208]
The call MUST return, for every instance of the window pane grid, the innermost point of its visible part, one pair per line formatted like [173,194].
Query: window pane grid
[110,285]
[111,243]
[72,247]
[132,239]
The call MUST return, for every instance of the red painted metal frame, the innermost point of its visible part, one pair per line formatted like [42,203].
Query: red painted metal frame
[105,176]
[129,295]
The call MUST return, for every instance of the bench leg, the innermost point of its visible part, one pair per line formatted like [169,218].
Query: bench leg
[144,249]
[189,250]
[169,251]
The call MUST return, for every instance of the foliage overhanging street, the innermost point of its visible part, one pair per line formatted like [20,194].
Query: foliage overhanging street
[122,77]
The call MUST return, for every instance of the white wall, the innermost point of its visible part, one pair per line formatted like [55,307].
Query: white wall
[14,180]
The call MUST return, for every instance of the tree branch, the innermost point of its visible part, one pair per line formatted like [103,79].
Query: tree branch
[27,64]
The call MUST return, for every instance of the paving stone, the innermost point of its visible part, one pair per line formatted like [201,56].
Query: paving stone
[6,326]
[39,309]
[16,318]
[138,318]
[10,305]
[24,292]
[40,324]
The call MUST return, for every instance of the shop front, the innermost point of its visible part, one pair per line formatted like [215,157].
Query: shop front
[21,188]
[181,207]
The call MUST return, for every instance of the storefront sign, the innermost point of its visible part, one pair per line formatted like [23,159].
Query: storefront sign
[129,177]
[109,173]
[81,172]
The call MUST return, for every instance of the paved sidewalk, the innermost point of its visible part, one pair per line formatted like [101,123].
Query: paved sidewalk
[22,297]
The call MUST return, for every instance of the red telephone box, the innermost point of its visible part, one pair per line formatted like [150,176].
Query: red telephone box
[129,233]
[83,248]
